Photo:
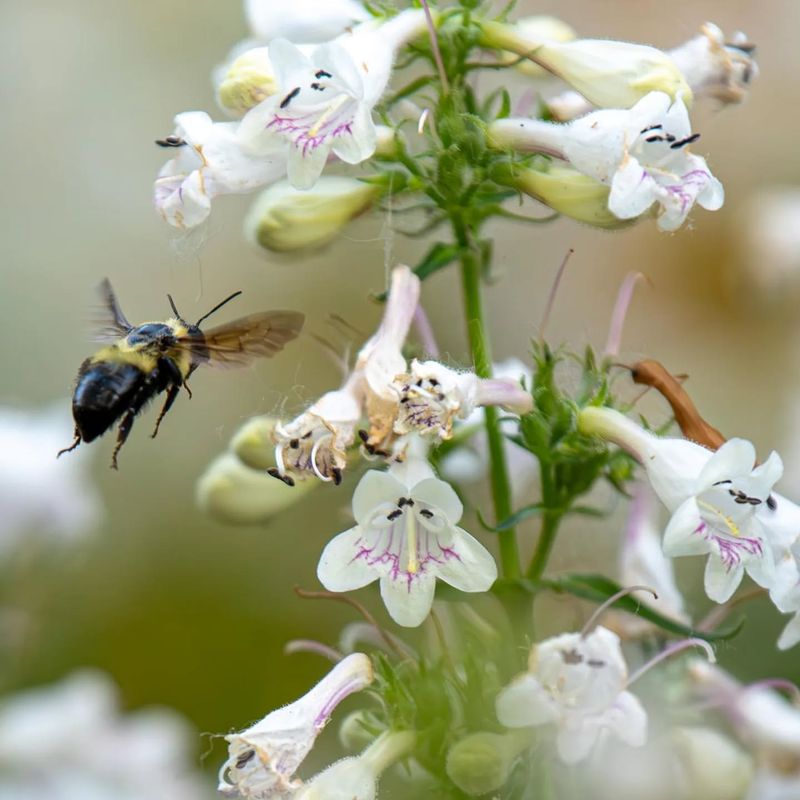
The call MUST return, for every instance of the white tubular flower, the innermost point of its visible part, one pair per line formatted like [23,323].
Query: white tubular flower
[642,154]
[315,443]
[576,683]
[643,563]
[720,519]
[287,220]
[208,161]
[763,719]
[356,778]
[720,503]
[327,97]
[70,741]
[406,536]
[303,20]
[607,73]
[539,28]
[39,494]
[774,785]
[433,395]
[712,66]
[264,758]
[716,68]
[236,494]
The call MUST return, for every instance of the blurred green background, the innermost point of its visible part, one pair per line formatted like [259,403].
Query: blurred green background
[186,612]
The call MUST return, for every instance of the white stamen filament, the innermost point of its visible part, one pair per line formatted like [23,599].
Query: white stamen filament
[279,462]
[670,651]
[334,106]
[733,528]
[314,451]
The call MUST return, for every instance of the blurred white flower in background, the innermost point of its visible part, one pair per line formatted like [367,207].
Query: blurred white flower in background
[302,20]
[39,493]
[69,741]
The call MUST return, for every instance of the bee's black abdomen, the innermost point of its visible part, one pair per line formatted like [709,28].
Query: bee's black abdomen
[103,393]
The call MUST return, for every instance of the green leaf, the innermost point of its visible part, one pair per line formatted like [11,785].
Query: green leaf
[598,588]
[518,516]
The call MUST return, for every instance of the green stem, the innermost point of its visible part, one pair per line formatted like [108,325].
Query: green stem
[482,359]
[551,519]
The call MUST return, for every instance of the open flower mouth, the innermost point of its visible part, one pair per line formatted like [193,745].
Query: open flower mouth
[405,539]
[313,451]
[311,127]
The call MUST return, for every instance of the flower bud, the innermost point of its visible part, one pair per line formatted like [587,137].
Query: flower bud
[354,731]
[386,141]
[481,762]
[253,442]
[569,192]
[714,765]
[607,73]
[233,493]
[539,28]
[248,80]
[285,220]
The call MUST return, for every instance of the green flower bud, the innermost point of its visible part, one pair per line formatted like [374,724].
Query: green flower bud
[285,220]
[607,73]
[253,443]
[567,191]
[482,762]
[235,494]
[538,28]
[249,79]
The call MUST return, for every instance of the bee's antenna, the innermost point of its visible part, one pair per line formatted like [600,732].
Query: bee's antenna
[173,307]
[218,307]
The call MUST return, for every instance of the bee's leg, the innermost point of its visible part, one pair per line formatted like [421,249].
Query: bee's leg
[122,434]
[74,444]
[188,390]
[172,393]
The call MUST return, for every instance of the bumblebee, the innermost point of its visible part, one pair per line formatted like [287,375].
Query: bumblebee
[142,361]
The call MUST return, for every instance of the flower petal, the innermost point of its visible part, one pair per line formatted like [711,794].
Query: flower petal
[359,144]
[305,164]
[720,581]
[735,458]
[633,190]
[629,720]
[472,568]
[340,568]
[770,472]
[791,633]
[575,743]
[374,489]
[525,702]
[684,533]
[441,495]
[408,599]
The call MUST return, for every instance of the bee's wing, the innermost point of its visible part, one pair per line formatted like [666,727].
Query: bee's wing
[111,323]
[257,336]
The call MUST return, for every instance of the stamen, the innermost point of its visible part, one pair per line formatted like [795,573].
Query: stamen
[672,650]
[274,473]
[171,141]
[732,527]
[426,512]
[279,462]
[314,452]
[683,142]
[244,759]
[320,73]
[600,610]
[289,97]
[393,515]
[327,114]
[423,118]
[652,128]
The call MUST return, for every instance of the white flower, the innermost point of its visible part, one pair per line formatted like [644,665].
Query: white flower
[406,536]
[264,758]
[763,719]
[721,504]
[327,97]
[244,80]
[38,493]
[207,162]
[576,683]
[717,68]
[720,519]
[774,785]
[316,442]
[432,395]
[641,153]
[287,220]
[356,778]
[69,741]
[302,20]
[712,66]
